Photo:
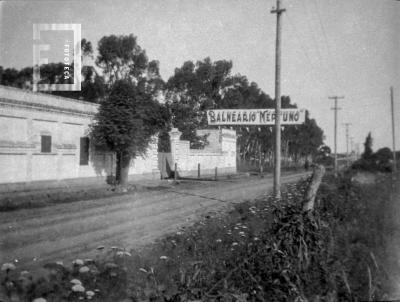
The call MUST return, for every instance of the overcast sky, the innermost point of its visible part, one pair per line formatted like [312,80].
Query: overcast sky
[329,47]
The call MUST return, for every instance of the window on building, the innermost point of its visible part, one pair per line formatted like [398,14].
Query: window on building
[45,144]
[84,151]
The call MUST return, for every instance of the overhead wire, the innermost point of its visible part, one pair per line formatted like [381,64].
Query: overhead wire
[332,61]
[298,37]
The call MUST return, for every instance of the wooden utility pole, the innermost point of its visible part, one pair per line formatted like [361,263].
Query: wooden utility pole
[347,125]
[393,130]
[277,171]
[352,152]
[335,108]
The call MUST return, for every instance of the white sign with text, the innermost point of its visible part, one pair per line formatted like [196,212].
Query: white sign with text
[254,116]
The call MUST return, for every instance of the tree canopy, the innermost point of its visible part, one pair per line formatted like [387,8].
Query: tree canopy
[130,115]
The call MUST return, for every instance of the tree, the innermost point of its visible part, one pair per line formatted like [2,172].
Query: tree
[125,124]
[121,57]
[367,147]
[193,89]
[130,115]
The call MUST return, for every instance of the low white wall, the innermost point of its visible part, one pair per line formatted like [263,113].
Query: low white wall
[220,153]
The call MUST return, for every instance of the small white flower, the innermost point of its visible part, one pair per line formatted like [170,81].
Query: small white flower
[78,288]
[119,253]
[218,240]
[77,262]
[60,263]
[111,265]
[142,270]
[256,239]
[75,281]
[163,257]
[84,269]
[8,267]
[235,244]
[242,234]
[90,293]
[39,300]
[178,233]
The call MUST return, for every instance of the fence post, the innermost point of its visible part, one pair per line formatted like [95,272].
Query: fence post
[198,170]
[216,173]
[176,171]
[311,192]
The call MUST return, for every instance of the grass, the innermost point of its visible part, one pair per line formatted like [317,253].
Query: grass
[266,250]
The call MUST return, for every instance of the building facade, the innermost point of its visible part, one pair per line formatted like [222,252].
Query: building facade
[45,139]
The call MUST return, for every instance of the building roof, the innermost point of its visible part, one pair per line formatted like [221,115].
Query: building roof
[17,97]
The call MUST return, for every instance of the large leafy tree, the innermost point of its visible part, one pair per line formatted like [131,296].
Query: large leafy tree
[304,139]
[130,115]
[191,90]
[125,123]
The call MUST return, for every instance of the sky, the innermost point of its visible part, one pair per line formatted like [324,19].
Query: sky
[347,48]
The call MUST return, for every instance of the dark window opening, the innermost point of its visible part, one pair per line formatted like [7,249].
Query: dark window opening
[45,144]
[84,151]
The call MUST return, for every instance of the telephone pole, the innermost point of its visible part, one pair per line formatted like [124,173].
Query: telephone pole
[393,131]
[347,125]
[277,171]
[335,108]
[352,151]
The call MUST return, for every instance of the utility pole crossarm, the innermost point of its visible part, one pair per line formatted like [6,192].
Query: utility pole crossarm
[279,10]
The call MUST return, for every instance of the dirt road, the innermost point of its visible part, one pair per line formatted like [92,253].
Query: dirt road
[66,231]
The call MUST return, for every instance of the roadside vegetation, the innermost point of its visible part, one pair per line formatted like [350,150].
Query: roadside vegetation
[381,160]
[267,250]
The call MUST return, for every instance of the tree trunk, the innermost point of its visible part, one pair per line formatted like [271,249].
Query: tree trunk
[122,171]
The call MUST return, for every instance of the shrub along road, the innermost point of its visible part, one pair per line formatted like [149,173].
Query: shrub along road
[32,237]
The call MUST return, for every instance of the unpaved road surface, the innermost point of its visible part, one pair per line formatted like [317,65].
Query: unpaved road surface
[66,231]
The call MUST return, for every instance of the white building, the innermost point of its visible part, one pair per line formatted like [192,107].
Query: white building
[44,139]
